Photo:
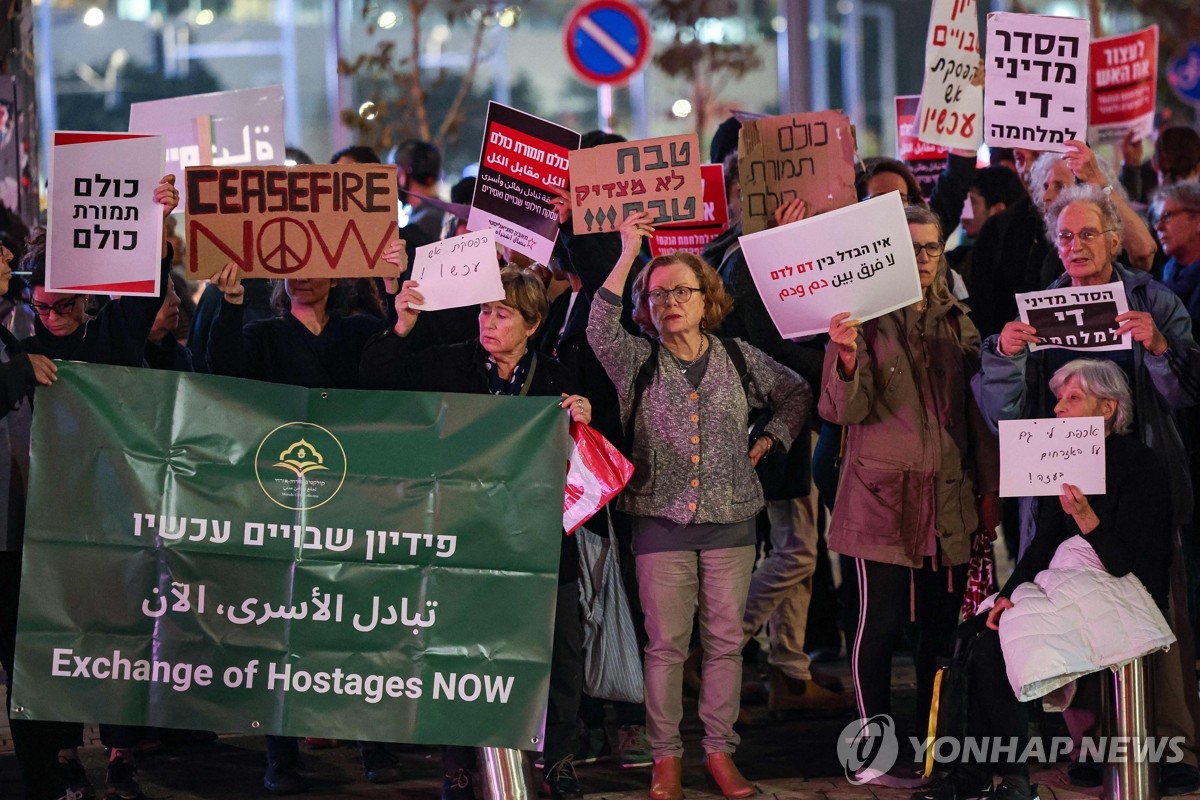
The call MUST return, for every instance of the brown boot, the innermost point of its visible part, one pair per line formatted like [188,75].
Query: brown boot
[725,774]
[790,694]
[665,780]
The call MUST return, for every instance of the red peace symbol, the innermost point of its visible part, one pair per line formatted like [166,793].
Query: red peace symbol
[283,258]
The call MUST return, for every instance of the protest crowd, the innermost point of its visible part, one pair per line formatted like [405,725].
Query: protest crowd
[807,485]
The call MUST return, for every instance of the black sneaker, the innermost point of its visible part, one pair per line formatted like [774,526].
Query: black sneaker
[74,779]
[121,780]
[457,786]
[283,777]
[379,765]
[1007,791]
[561,781]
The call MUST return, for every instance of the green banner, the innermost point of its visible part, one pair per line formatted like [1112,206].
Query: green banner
[214,553]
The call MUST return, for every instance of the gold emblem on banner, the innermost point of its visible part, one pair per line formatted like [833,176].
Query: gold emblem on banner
[309,469]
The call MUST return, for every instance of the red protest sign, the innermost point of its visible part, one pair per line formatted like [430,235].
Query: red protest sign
[1124,75]
[690,237]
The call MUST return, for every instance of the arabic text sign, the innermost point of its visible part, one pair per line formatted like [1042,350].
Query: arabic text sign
[1076,318]
[236,128]
[460,271]
[951,105]
[321,561]
[105,228]
[522,160]
[1124,77]
[693,238]
[308,221]
[1036,81]
[660,176]
[924,160]
[796,156]
[857,259]
[1037,456]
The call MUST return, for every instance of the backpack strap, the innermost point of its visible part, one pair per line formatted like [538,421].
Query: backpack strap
[734,351]
[641,381]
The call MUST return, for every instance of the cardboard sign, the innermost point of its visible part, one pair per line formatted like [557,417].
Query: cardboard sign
[806,156]
[523,157]
[612,181]
[857,259]
[460,271]
[105,228]
[1036,81]
[1076,318]
[925,161]
[1124,77]
[307,221]
[689,238]
[1037,456]
[220,129]
[951,105]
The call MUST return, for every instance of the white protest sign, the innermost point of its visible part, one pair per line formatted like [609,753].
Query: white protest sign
[1037,456]
[105,230]
[951,112]
[1076,318]
[857,259]
[221,129]
[1037,87]
[460,271]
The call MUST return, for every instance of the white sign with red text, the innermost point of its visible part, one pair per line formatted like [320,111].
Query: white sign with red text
[951,112]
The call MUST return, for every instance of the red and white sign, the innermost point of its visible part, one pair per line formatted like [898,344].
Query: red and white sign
[924,160]
[694,237]
[1123,77]
[607,41]
[951,104]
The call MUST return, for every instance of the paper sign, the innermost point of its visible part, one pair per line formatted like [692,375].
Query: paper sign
[1037,456]
[1036,81]
[221,129]
[460,271]
[951,105]
[522,159]
[612,181]
[925,161]
[105,228]
[693,238]
[1076,318]
[857,259]
[806,156]
[307,221]
[1124,77]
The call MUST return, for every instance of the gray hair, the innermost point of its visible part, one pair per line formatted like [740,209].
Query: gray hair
[923,215]
[1100,379]
[1039,174]
[1185,193]
[1084,193]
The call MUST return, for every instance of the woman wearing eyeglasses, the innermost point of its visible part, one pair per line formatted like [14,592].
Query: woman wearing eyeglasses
[920,471]
[1163,369]
[685,395]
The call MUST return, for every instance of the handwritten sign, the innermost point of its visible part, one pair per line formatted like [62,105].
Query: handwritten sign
[951,105]
[220,129]
[105,228]
[460,271]
[1036,87]
[522,159]
[297,222]
[1037,456]
[1124,77]
[857,259]
[612,181]
[1076,318]
[692,238]
[805,156]
[924,160]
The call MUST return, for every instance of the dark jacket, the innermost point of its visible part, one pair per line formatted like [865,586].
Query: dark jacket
[1007,259]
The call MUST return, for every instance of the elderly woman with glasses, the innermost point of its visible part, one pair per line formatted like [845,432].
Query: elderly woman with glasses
[685,395]
[920,471]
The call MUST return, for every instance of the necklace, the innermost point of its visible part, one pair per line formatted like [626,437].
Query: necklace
[683,365]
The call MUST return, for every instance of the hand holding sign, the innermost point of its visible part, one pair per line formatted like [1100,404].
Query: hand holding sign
[1140,325]
[843,333]
[229,282]
[408,306]
[166,195]
[632,229]
[1075,503]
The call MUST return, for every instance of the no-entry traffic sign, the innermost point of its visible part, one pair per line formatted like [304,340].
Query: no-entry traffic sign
[607,41]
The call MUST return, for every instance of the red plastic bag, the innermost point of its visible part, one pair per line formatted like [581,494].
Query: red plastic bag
[595,474]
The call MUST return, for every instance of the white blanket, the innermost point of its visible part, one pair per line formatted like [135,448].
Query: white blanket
[1075,618]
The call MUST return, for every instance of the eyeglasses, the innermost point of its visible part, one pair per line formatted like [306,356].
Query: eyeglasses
[1167,216]
[933,249]
[680,294]
[1087,236]
[62,307]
